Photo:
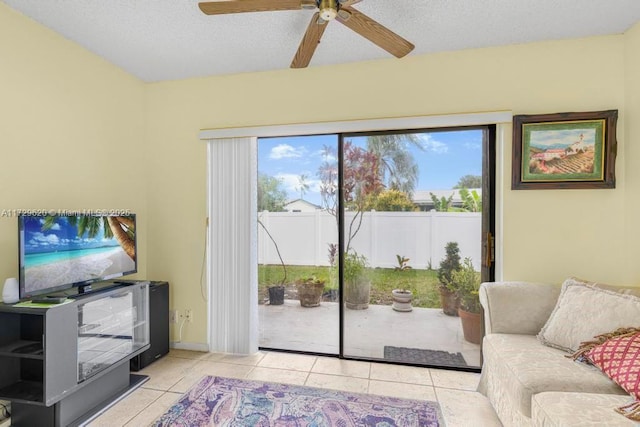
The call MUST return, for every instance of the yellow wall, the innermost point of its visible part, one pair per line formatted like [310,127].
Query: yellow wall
[71,131]
[548,235]
[629,249]
[78,132]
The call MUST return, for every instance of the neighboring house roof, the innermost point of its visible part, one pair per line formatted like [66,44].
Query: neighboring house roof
[300,205]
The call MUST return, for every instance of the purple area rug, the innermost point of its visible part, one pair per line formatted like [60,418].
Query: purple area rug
[218,401]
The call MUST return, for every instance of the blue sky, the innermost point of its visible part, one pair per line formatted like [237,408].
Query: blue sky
[562,138]
[61,237]
[446,157]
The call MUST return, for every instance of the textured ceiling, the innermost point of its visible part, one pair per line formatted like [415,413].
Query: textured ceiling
[159,40]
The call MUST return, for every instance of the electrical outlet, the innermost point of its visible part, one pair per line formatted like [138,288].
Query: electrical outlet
[188,314]
[173,316]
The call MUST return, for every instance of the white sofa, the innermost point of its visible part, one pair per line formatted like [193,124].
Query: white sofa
[530,384]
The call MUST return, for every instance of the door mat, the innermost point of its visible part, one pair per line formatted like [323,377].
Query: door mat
[427,357]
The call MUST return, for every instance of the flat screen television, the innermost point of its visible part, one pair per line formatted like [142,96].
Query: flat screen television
[59,252]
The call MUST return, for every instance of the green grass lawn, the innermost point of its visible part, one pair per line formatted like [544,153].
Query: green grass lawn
[423,283]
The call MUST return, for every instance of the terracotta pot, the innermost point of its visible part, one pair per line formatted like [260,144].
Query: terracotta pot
[450,302]
[471,326]
[310,294]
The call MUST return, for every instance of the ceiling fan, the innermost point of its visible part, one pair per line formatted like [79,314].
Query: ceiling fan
[327,10]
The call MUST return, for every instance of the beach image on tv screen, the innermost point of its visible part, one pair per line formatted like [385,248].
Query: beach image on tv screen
[62,250]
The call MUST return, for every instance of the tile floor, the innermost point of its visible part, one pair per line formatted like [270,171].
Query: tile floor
[179,370]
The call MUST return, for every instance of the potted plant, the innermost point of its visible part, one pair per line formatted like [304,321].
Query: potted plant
[448,288]
[402,297]
[357,286]
[276,294]
[468,281]
[310,291]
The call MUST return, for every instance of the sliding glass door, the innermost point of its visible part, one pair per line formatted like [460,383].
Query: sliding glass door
[298,243]
[372,245]
[412,246]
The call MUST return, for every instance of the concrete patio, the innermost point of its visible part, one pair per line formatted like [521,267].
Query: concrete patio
[367,332]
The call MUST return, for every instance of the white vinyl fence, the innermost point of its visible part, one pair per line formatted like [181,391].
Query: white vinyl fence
[304,237]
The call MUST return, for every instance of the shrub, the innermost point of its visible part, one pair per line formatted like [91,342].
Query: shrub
[448,266]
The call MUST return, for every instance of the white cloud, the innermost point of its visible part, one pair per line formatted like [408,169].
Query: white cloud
[291,182]
[314,185]
[472,145]
[286,151]
[55,226]
[430,144]
[44,239]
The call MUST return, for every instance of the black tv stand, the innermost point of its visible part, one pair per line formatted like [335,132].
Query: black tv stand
[61,364]
[125,282]
[100,287]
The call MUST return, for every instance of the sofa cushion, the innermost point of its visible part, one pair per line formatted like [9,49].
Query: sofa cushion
[584,311]
[526,367]
[577,409]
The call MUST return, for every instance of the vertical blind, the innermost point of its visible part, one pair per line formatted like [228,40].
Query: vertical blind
[233,264]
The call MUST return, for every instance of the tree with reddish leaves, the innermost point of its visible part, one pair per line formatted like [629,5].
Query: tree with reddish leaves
[361,181]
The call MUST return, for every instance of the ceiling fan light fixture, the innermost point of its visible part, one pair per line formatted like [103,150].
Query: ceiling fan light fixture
[328,14]
[328,9]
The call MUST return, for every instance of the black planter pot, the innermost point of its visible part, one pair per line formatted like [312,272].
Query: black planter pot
[276,295]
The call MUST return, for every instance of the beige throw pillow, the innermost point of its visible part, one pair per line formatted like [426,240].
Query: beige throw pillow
[635,291]
[586,310]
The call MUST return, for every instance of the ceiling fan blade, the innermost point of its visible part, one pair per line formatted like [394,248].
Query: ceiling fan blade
[240,6]
[375,32]
[309,42]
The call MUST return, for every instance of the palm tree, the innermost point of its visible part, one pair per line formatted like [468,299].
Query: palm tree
[303,185]
[398,169]
[120,227]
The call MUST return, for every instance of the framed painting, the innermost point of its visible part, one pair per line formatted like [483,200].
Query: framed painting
[564,150]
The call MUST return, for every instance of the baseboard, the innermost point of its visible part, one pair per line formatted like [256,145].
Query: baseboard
[192,346]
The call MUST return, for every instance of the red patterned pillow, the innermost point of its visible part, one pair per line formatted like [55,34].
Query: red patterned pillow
[619,359]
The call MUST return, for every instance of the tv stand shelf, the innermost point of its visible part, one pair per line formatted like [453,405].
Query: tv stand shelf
[60,361]
[28,391]
[23,349]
